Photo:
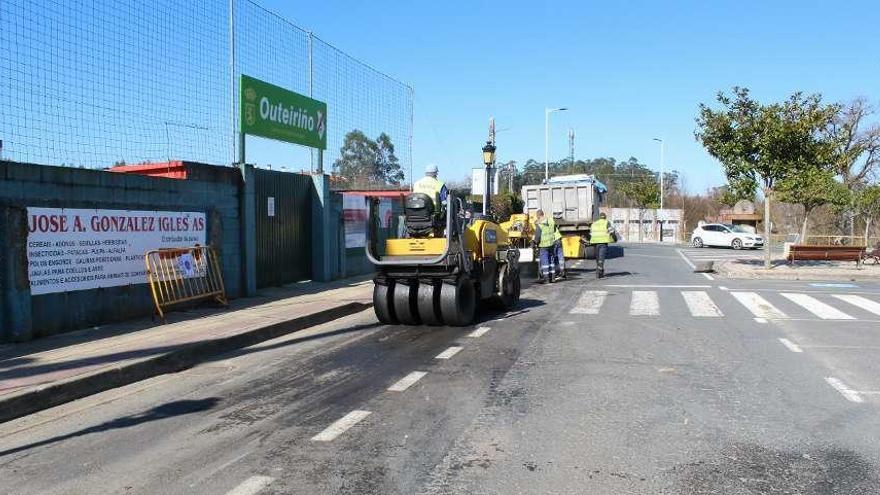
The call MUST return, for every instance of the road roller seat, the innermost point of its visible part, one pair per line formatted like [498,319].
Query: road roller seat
[421,221]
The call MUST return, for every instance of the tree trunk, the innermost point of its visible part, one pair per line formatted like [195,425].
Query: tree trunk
[867,230]
[767,244]
[804,229]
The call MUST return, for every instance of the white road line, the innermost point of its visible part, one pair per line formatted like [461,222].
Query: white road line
[791,345]
[479,332]
[758,305]
[710,277]
[589,303]
[861,302]
[644,303]
[659,286]
[760,320]
[723,287]
[816,306]
[700,304]
[448,353]
[686,260]
[251,485]
[341,426]
[407,381]
[850,394]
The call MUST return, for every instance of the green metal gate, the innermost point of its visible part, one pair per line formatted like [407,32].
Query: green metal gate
[284,227]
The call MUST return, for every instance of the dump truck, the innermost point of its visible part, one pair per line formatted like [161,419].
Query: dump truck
[445,264]
[574,202]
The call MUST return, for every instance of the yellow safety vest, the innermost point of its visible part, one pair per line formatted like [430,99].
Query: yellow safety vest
[599,232]
[557,235]
[548,237]
[430,186]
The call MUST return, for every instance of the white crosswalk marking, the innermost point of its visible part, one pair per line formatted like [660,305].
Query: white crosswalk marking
[590,302]
[758,305]
[700,304]
[861,302]
[644,303]
[816,306]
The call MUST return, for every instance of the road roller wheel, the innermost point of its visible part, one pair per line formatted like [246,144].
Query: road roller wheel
[509,287]
[406,302]
[382,303]
[458,302]
[429,304]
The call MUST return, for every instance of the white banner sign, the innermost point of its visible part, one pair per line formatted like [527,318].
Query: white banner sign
[75,249]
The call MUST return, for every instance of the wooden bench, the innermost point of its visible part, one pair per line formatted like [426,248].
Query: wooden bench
[803,252]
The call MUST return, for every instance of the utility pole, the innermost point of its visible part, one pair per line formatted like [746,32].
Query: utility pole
[571,146]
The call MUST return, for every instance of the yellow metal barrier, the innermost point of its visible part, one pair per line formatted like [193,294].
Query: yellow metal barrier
[181,275]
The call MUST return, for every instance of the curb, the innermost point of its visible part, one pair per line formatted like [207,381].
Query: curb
[187,356]
[723,270]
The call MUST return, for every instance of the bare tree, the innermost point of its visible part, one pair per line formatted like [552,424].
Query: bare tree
[857,149]
[857,143]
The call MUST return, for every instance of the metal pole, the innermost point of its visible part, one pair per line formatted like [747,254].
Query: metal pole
[312,95]
[546,145]
[411,111]
[662,169]
[233,113]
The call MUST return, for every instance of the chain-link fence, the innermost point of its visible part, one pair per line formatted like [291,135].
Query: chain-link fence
[92,83]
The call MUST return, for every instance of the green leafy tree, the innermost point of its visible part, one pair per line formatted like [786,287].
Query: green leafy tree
[765,144]
[811,189]
[364,162]
[644,194]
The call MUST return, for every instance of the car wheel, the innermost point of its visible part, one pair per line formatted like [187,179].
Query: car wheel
[697,242]
[736,244]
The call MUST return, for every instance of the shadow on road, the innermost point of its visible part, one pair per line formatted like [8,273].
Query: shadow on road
[167,410]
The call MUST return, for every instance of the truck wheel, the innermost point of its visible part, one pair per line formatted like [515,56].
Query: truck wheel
[406,302]
[458,302]
[429,304]
[382,304]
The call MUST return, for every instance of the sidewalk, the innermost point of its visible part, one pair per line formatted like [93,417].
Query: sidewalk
[44,373]
[801,270]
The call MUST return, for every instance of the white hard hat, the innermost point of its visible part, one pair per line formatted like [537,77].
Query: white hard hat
[431,169]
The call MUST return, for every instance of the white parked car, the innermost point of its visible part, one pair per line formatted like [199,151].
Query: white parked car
[725,235]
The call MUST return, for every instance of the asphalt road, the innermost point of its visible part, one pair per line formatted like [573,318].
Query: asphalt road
[653,380]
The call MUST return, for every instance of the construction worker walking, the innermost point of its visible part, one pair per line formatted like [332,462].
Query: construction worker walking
[545,238]
[558,255]
[601,235]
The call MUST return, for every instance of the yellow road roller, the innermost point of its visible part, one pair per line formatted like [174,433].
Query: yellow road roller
[443,268]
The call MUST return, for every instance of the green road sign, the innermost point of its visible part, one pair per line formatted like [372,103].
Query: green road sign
[276,113]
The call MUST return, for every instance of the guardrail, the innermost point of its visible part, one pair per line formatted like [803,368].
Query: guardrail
[181,275]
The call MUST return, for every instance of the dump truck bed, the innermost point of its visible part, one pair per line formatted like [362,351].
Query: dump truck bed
[572,200]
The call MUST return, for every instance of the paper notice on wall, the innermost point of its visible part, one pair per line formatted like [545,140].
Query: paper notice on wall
[76,249]
[354,213]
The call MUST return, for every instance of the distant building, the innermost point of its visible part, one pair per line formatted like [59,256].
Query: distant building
[655,226]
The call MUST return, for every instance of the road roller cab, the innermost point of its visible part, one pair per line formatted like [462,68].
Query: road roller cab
[437,275]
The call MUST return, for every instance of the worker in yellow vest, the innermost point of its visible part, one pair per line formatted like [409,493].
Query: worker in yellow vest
[434,188]
[601,235]
[558,255]
[545,238]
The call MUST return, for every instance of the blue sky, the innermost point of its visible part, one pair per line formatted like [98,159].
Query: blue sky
[629,71]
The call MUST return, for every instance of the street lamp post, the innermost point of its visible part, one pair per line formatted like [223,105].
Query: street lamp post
[547,112]
[489,161]
[662,167]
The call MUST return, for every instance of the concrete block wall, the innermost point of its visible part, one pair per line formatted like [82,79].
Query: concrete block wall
[216,193]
